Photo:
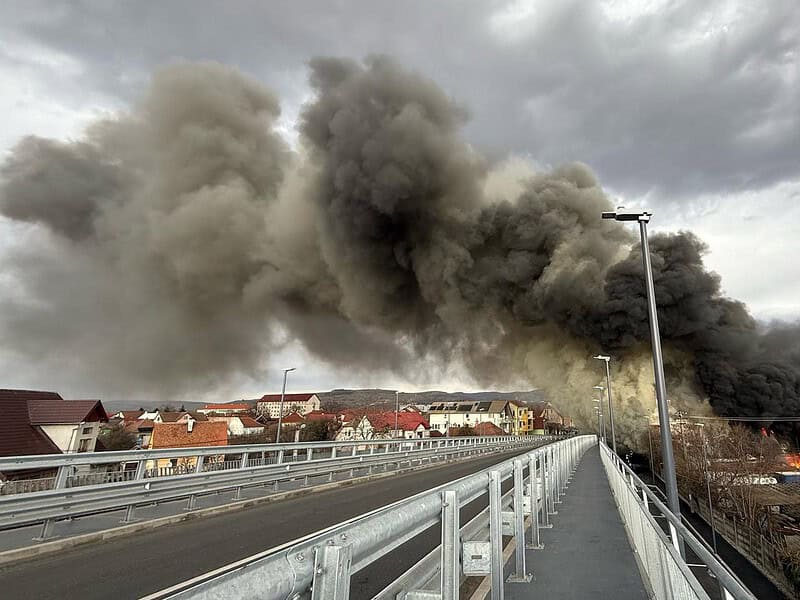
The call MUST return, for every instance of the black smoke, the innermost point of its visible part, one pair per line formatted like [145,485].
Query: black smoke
[185,240]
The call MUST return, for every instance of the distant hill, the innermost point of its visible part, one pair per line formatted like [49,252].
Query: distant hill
[113,406]
[342,398]
[370,397]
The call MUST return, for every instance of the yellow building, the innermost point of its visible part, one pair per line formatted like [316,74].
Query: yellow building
[519,412]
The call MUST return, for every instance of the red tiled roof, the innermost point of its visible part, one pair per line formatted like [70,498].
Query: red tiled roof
[129,415]
[318,415]
[287,397]
[141,424]
[406,421]
[177,435]
[229,406]
[250,422]
[293,418]
[50,410]
[17,436]
[487,428]
[170,417]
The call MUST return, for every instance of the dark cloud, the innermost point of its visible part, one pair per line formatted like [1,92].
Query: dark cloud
[690,99]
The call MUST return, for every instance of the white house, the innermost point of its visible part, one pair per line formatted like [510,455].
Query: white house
[270,404]
[231,408]
[359,428]
[448,415]
[240,424]
[43,422]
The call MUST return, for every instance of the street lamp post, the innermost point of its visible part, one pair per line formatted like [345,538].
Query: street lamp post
[280,410]
[396,409]
[599,409]
[668,458]
[599,423]
[607,359]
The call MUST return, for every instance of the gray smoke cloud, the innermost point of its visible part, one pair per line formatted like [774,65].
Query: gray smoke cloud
[187,241]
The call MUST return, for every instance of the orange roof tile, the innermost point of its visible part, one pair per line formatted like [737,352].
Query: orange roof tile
[177,435]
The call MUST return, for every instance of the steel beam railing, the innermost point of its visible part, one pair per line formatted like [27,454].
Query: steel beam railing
[249,466]
[320,565]
[668,574]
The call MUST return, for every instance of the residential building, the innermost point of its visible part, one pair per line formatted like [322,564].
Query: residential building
[44,423]
[128,415]
[487,428]
[191,434]
[295,419]
[142,429]
[240,424]
[449,415]
[318,415]
[269,405]
[519,412]
[179,416]
[544,418]
[410,425]
[358,427]
[231,408]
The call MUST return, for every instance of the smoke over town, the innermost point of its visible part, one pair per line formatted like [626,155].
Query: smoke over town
[184,241]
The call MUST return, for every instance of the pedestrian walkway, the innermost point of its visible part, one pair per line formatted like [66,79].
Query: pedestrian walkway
[586,554]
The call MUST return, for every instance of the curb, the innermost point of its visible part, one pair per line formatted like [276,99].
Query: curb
[10,557]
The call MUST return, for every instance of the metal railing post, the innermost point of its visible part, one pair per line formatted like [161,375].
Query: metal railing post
[332,573]
[533,487]
[520,573]
[496,535]
[59,483]
[547,509]
[131,508]
[451,546]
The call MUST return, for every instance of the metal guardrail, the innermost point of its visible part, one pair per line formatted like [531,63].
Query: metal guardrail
[274,463]
[667,571]
[319,566]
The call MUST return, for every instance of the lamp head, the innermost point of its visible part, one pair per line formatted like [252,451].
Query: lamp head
[627,216]
[290,369]
[602,357]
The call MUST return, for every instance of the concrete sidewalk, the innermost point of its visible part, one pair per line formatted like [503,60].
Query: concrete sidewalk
[586,554]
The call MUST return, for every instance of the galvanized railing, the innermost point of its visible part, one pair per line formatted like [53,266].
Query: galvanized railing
[320,565]
[217,469]
[667,571]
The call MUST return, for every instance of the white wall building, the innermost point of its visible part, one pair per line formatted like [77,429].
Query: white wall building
[270,404]
[448,415]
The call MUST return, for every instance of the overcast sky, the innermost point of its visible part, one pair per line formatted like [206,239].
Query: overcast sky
[690,109]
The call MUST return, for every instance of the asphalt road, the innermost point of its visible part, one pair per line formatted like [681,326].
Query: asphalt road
[146,562]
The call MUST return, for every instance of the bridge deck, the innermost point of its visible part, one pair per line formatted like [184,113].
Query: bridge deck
[586,553]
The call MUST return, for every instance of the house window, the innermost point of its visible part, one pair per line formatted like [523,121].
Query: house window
[83,446]
[87,431]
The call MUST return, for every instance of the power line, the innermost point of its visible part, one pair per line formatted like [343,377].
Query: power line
[784,419]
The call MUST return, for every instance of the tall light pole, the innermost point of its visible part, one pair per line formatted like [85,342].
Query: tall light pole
[607,359]
[280,411]
[670,479]
[600,389]
[599,409]
[599,422]
[396,409]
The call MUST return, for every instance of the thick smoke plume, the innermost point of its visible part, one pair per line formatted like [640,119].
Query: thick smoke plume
[187,240]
